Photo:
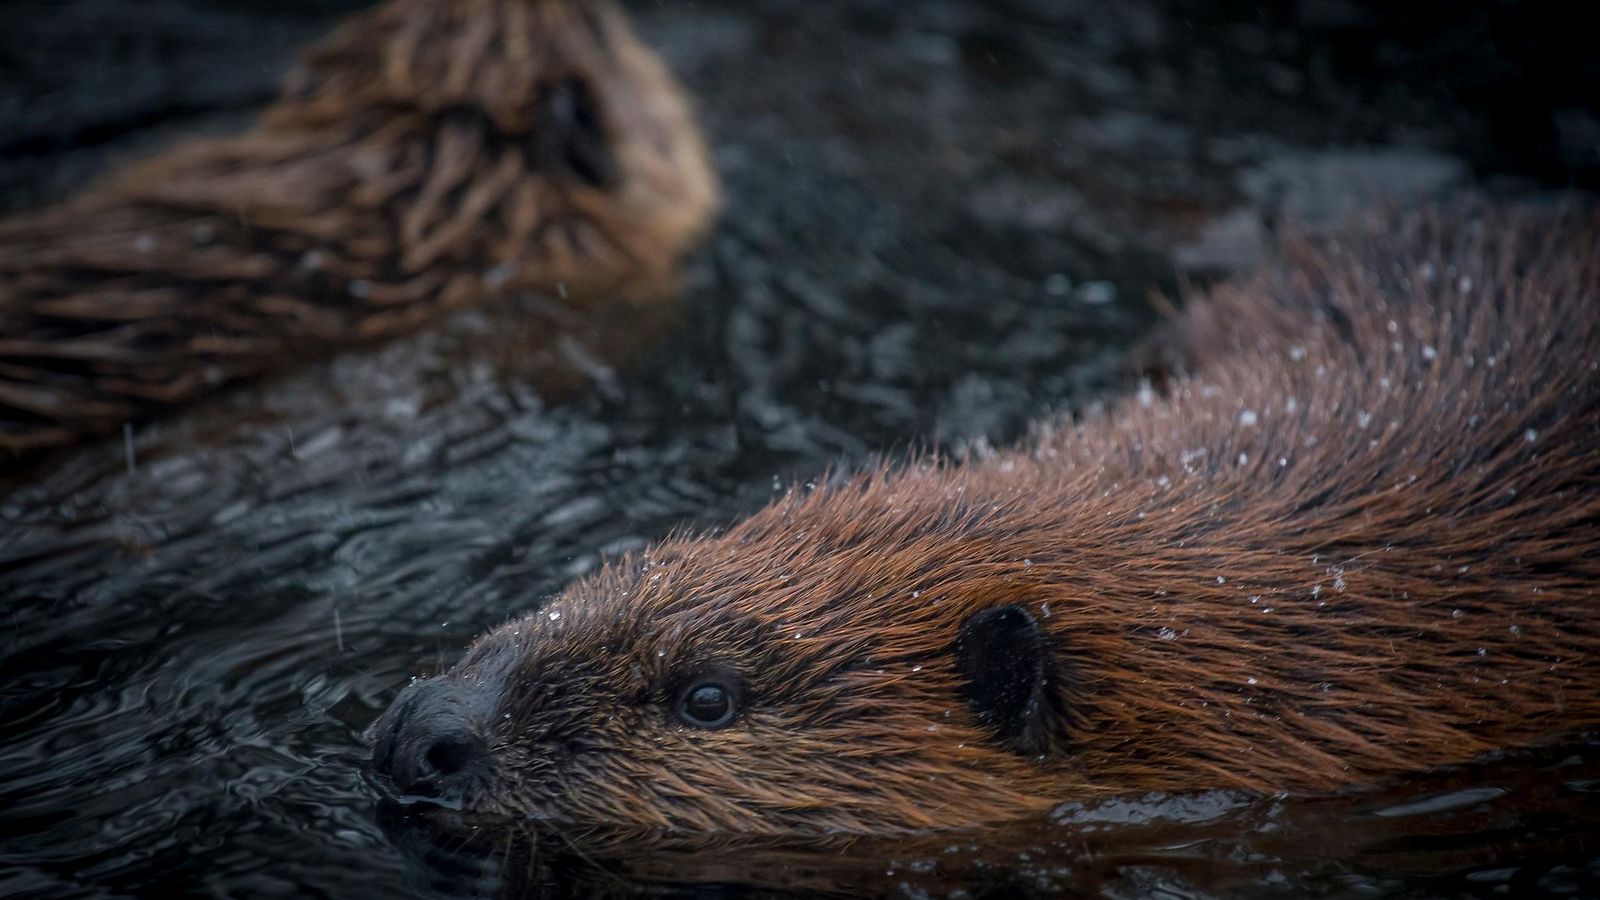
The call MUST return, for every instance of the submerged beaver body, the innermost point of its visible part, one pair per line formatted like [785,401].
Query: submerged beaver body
[1363,538]
[427,155]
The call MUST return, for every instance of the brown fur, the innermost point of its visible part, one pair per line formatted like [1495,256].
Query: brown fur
[1364,539]
[410,167]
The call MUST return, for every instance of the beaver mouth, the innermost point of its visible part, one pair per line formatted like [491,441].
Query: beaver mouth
[427,803]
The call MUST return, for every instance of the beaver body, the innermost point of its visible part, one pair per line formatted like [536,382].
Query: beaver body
[426,155]
[1362,539]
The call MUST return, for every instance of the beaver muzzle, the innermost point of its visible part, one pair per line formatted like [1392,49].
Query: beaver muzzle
[427,745]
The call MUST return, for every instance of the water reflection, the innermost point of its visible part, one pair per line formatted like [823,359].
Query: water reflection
[1520,824]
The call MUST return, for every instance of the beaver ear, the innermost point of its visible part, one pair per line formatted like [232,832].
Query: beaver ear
[1003,655]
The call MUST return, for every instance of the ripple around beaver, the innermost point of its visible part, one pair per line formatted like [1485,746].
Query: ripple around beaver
[940,225]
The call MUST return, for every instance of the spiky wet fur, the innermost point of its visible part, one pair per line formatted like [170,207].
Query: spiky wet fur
[407,170]
[1364,538]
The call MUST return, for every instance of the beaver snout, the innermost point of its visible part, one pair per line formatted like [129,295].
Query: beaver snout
[571,142]
[427,743]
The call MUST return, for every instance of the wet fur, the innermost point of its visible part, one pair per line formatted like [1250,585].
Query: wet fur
[427,155]
[1362,539]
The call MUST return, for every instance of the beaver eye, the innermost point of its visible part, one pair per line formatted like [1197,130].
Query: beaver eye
[707,704]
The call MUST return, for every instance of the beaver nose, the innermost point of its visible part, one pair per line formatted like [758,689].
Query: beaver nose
[426,744]
[571,141]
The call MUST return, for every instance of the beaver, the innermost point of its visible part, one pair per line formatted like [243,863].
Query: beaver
[426,155]
[1360,538]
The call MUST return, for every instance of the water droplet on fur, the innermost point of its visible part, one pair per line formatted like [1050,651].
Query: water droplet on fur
[1097,293]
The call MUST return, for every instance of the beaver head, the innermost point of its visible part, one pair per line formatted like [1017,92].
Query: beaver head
[539,136]
[842,662]
[1361,541]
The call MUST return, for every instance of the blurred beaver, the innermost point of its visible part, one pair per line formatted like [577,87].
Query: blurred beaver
[1362,538]
[426,155]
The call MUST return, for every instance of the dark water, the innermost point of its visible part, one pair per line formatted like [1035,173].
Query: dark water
[942,223]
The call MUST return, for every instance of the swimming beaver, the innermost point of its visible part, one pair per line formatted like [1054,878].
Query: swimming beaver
[1363,538]
[425,155]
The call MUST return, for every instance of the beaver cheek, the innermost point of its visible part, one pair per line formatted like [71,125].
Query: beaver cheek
[1009,677]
